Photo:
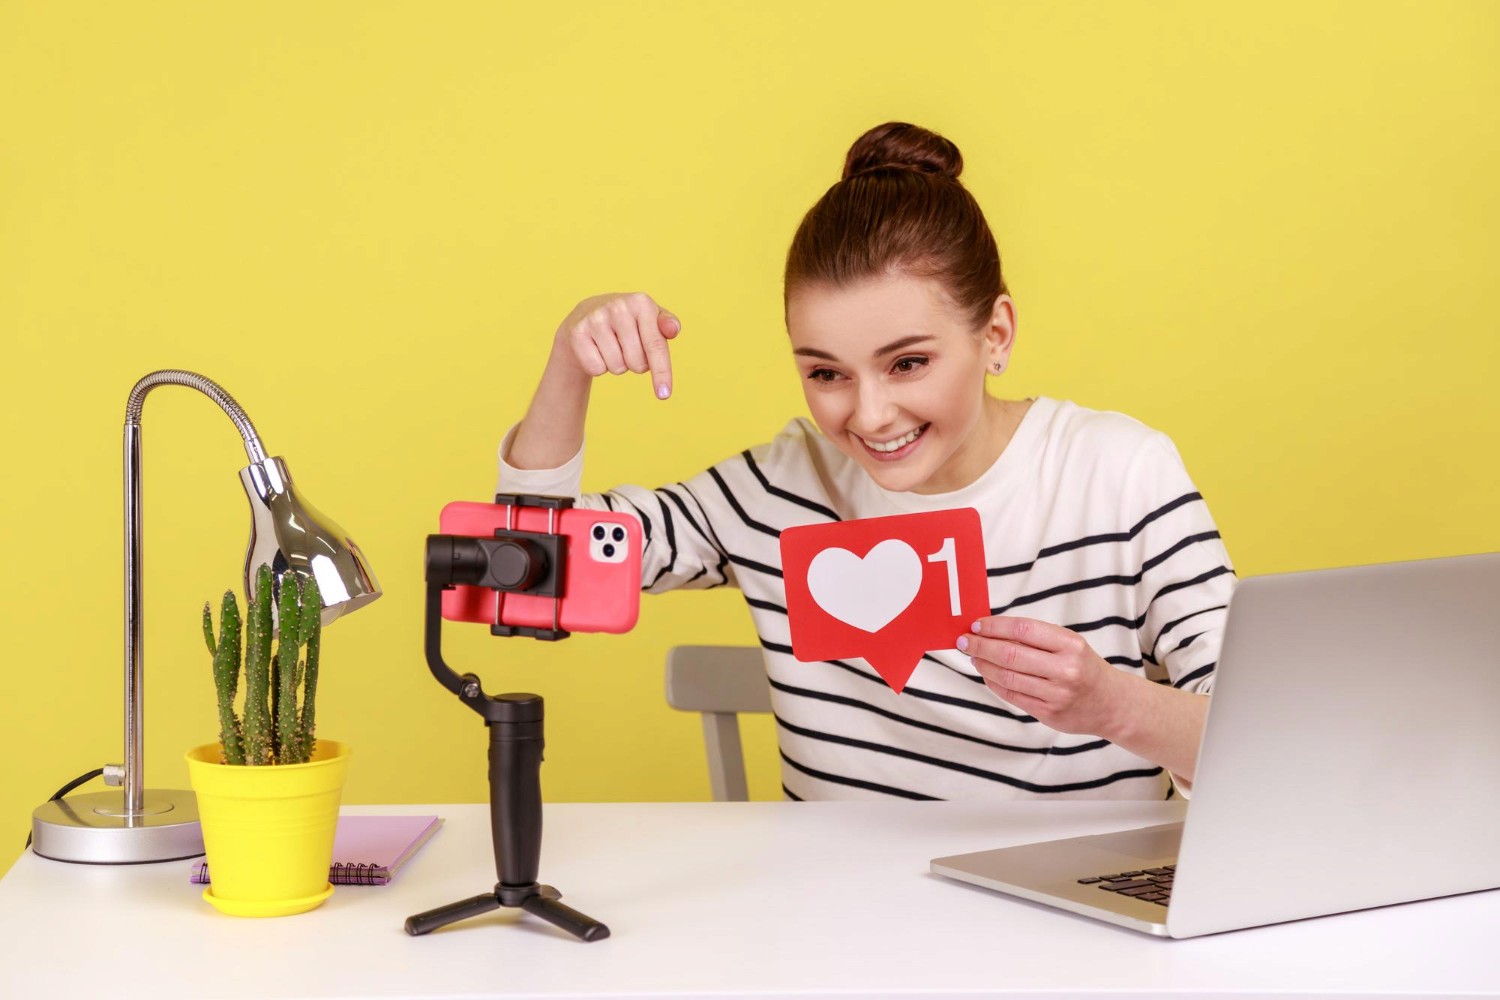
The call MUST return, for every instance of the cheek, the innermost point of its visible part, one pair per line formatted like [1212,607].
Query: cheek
[951,401]
[827,408]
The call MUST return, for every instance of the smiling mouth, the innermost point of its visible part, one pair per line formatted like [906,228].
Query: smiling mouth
[895,448]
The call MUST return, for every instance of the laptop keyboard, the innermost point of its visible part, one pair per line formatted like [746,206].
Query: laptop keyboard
[1154,885]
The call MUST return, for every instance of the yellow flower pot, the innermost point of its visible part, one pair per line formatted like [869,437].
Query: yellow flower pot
[268,831]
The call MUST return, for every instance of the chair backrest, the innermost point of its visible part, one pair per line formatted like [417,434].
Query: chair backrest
[720,682]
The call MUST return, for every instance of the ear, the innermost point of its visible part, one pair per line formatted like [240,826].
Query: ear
[1000,336]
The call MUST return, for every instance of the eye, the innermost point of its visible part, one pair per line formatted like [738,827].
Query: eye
[824,375]
[909,364]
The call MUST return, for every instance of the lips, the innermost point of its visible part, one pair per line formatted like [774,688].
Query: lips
[895,448]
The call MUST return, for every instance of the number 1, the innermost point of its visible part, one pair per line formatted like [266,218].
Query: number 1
[949,554]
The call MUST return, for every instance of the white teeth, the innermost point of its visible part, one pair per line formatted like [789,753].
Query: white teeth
[900,442]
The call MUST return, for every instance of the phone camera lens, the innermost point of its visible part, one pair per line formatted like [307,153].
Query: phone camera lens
[619,534]
[609,551]
[599,532]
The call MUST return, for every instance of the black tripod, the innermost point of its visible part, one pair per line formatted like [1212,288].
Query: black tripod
[515,562]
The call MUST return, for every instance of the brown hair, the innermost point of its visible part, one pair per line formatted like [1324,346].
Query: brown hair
[900,208]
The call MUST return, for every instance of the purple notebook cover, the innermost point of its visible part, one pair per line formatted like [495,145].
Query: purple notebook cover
[367,850]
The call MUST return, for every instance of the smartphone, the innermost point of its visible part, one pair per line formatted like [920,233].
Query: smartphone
[601,571]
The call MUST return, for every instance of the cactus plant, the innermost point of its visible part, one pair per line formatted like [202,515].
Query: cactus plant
[276,721]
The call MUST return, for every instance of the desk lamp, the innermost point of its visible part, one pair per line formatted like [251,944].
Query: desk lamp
[143,825]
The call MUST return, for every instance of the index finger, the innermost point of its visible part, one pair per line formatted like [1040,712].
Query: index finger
[652,326]
[1027,631]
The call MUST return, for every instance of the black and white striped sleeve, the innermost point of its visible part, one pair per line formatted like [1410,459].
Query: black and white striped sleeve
[1186,575]
[681,549]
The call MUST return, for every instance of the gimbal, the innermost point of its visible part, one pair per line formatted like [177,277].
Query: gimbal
[513,562]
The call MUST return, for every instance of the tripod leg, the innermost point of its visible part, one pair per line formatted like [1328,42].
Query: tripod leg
[564,916]
[431,920]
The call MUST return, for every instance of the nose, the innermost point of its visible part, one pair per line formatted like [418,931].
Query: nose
[874,409]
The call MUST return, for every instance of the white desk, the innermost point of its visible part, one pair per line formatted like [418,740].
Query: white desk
[725,899]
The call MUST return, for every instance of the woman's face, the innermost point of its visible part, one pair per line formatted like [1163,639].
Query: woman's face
[894,377]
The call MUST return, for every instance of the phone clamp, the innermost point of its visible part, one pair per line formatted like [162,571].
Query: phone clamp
[513,562]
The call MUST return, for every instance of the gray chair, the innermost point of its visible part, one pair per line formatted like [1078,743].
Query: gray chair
[720,682]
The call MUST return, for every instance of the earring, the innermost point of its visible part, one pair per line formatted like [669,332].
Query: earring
[999,367]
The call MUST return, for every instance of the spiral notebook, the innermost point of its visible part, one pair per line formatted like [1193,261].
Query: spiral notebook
[367,850]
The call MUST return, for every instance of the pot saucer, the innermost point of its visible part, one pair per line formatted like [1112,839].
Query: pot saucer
[267,907]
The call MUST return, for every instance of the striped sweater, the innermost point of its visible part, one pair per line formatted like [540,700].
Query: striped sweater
[1090,521]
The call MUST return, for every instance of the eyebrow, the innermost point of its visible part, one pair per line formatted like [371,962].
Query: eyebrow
[893,346]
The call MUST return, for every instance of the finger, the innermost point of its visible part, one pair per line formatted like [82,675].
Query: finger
[1028,631]
[630,347]
[587,353]
[1009,655]
[1012,683]
[625,317]
[620,320]
[608,344]
[658,355]
[1034,707]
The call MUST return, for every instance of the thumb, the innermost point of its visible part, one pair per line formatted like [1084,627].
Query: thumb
[669,325]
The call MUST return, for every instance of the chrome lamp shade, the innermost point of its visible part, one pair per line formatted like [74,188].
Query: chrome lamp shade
[137,825]
[287,532]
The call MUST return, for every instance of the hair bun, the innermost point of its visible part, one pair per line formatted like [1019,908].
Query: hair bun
[899,146]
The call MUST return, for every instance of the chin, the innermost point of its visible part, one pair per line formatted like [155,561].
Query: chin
[897,480]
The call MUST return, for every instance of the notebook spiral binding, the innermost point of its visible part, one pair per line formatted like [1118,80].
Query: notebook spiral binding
[353,873]
[339,873]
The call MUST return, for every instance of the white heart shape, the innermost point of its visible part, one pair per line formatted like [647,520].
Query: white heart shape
[867,593]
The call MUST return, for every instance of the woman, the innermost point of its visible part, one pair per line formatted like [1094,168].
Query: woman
[1108,580]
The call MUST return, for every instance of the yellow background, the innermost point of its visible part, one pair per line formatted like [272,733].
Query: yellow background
[1268,229]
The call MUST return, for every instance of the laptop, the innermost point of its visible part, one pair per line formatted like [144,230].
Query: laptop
[1351,759]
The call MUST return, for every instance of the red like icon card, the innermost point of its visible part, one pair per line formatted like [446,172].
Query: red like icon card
[887,589]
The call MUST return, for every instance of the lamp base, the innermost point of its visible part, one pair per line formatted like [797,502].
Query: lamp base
[93,830]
